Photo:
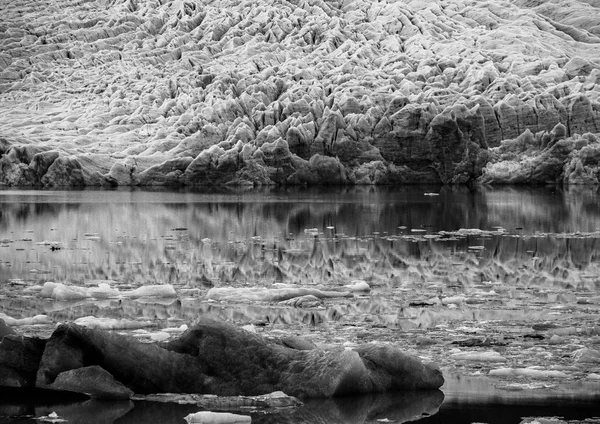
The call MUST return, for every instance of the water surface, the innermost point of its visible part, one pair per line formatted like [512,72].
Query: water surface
[515,254]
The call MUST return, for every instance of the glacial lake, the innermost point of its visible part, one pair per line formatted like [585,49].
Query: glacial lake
[511,256]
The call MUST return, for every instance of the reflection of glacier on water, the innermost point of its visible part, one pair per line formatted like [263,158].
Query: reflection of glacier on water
[191,238]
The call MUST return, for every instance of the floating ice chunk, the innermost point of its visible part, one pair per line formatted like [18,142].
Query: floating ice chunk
[158,290]
[586,355]
[103,291]
[358,286]
[527,372]
[161,336]
[48,289]
[32,289]
[307,301]
[37,319]
[502,372]
[284,286]
[251,328]
[112,323]
[60,291]
[470,231]
[97,282]
[524,386]
[51,418]
[261,294]
[456,300]
[47,243]
[489,356]
[472,330]
[208,417]
[179,329]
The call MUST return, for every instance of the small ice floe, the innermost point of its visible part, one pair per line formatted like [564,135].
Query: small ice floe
[52,417]
[160,336]
[261,294]
[471,231]
[175,330]
[593,376]
[59,291]
[431,194]
[112,323]
[563,331]
[358,286]
[554,340]
[158,290]
[311,231]
[34,320]
[62,292]
[476,247]
[454,300]
[524,386]
[470,330]
[464,232]
[489,356]
[251,328]
[586,355]
[425,341]
[588,300]
[307,301]
[527,372]
[48,243]
[39,271]
[208,417]
[103,291]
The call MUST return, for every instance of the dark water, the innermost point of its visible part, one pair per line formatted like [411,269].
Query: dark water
[424,407]
[146,237]
[541,243]
[395,239]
